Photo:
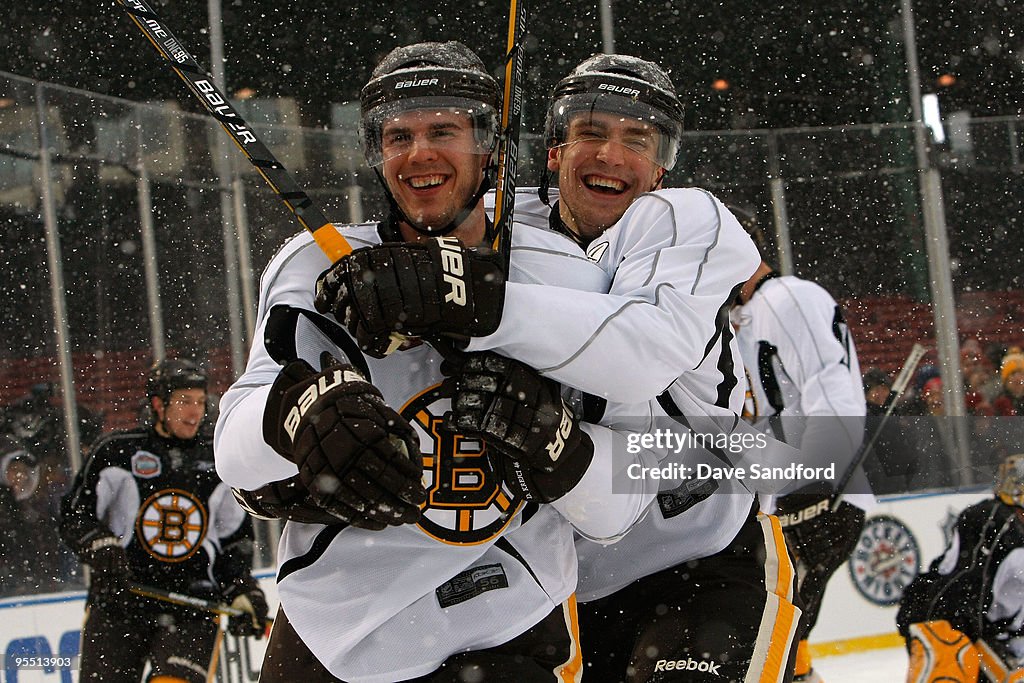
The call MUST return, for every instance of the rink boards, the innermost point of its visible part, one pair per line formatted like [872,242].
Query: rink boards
[901,536]
[41,633]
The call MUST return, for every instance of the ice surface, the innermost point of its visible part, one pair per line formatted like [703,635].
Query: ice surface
[875,666]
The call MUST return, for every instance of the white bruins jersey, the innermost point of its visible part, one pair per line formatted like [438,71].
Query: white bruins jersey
[481,566]
[664,347]
[801,362]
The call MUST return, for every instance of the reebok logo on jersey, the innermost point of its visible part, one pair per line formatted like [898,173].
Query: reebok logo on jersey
[557,445]
[808,513]
[687,665]
[451,264]
[314,391]
[629,92]
[415,83]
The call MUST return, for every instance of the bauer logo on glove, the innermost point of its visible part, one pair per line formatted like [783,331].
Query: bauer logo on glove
[357,458]
[557,445]
[451,264]
[324,384]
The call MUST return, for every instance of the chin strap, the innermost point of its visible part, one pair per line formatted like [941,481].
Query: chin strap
[545,185]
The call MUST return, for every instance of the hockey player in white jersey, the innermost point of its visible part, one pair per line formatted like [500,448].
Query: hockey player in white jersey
[405,558]
[683,596]
[805,387]
[615,127]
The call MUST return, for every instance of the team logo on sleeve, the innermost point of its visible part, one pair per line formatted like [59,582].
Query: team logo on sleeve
[171,525]
[885,561]
[596,251]
[145,465]
[466,503]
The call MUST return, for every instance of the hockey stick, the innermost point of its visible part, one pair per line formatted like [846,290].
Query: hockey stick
[511,122]
[189,601]
[216,103]
[308,214]
[895,392]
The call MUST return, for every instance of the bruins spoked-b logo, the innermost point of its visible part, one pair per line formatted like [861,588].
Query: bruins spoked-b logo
[466,504]
[171,525]
[885,561]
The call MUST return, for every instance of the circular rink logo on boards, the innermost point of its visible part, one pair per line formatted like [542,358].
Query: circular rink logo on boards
[885,560]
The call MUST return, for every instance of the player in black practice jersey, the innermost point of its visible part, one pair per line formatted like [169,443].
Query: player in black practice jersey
[964,613]
[147,508]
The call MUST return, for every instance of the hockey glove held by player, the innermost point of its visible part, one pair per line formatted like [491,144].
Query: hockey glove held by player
[247,597]
[106,558]
[422,289]
[535,441]
[352,450]
[811,528]
[286,499]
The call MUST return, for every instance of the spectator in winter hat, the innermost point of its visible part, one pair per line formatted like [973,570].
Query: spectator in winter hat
[1011,400]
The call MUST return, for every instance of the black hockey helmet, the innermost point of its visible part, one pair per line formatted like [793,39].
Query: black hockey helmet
[429,76]
[174,373]
[623,85]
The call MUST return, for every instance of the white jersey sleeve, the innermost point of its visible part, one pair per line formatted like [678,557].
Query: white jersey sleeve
[674,259]
[244,460]
[605,503]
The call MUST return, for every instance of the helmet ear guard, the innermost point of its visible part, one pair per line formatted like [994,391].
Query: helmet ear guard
[1010,480]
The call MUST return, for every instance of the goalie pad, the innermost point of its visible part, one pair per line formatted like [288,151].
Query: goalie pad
[995,667]
[941,654]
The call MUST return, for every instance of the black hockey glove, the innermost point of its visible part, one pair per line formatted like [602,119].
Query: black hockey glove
[248,597]
[107,561]
[437,287]
[819,538]
[535,442]
[286,499]
[357,458]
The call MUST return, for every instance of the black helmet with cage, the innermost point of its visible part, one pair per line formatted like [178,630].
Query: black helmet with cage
[430,78]
[1010,480]
[171,374]
[625,86]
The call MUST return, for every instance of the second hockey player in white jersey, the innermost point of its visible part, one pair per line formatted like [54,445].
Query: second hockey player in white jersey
[805,387]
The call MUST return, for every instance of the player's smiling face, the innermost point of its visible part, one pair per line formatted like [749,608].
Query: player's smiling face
[432,164]
[605,163]
[182,415]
